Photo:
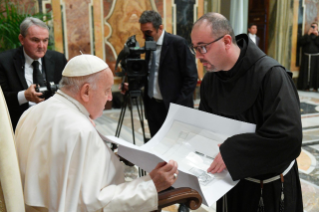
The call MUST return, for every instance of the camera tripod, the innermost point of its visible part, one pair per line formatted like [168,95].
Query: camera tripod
[131,97]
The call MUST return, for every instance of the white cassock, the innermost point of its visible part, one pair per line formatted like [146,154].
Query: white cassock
[65,165]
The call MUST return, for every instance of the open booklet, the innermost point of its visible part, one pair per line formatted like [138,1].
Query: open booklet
[191,138]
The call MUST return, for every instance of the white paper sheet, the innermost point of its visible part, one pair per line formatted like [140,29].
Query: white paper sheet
[191,138]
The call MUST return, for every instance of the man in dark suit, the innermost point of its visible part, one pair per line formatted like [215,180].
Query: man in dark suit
[252,33]
[172,71]
[18,68]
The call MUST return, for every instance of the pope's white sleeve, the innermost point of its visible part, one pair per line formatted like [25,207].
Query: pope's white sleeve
[137,195]
[103,185]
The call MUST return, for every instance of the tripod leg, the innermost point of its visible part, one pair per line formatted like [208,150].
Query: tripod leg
[142,118]
[121,118]
[140,115]
[132,121]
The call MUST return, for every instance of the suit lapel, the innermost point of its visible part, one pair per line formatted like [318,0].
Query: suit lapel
[165,49]
[48,67]
[19,61]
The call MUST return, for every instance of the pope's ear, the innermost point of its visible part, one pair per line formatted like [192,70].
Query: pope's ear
[84,92]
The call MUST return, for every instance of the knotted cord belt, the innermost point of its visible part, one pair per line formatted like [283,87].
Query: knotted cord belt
[262,182]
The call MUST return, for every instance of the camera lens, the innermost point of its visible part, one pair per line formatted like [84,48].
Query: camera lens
[136,67]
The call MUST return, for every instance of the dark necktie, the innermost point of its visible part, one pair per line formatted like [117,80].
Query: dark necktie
[151,76]
[37,75]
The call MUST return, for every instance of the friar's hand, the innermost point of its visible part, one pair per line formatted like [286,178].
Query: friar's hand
[164,175]
[33,96]
[218,164]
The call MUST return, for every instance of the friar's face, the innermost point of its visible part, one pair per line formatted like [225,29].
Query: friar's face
[35,43]
[213,58]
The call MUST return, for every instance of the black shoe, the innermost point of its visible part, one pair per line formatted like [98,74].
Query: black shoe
[183,208]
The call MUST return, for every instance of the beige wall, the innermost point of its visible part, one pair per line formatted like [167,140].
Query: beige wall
[115,20]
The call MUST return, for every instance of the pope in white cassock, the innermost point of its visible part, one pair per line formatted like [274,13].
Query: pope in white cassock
[65,165]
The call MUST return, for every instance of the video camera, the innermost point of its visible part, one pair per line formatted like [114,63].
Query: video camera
[135,68]
[48,90]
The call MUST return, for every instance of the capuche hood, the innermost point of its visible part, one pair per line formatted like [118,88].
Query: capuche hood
[235,85]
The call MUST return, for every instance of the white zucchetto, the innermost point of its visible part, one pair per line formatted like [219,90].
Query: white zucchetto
[84,65]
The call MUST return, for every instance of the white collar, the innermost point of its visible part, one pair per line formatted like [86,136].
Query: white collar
[251,35]
[29,60]
[161,39]
[76,103]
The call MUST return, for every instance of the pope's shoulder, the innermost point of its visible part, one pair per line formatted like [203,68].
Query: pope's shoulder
[55,113]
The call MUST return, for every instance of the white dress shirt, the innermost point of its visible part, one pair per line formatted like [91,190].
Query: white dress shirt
[156,90]
[28,74]
[252,37]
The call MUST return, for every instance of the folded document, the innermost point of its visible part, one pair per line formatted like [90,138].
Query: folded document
[191,138]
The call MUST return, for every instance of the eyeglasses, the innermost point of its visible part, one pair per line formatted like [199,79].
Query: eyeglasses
[202,49]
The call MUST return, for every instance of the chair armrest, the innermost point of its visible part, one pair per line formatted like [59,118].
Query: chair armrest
[188,196]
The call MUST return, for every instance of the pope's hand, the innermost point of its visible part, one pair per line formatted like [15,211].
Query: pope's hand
[218,164]
[33,96]
[164,175]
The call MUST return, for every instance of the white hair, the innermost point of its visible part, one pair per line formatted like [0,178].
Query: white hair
[74,84]
[31,21]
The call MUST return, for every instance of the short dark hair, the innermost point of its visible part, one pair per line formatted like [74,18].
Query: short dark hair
[150,16]
[251,24]
[219,24]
